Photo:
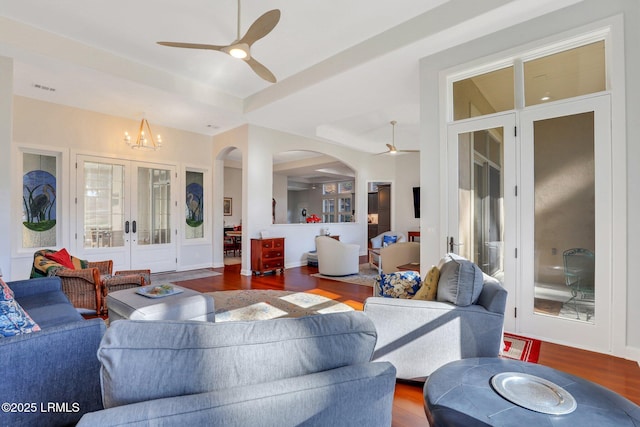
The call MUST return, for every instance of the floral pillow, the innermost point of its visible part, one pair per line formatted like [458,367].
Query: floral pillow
[6,293]
[401,284]
[14,320]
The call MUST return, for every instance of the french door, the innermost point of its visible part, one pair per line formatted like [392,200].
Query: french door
[567,223]
[482,209]
[126,212]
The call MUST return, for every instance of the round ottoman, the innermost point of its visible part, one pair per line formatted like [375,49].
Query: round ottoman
[460,394]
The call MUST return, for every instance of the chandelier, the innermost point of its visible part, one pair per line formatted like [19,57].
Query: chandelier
[144,141]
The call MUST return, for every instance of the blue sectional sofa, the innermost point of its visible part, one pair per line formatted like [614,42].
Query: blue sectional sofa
[312,371]
[49,377]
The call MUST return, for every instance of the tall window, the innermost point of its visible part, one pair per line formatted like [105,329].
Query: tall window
[337,202]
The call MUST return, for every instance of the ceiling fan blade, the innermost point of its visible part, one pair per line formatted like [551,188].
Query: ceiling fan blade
[261,70]
[261,27]
[391,147]
[192,45]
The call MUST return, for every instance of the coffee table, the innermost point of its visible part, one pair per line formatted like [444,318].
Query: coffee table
[186,305]
[461,394]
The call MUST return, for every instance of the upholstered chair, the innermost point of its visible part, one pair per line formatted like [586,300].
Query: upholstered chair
[460,317]
[378,241]
[336,258]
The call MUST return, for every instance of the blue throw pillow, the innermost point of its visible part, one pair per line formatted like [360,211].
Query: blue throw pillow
[401,284]
[14,320]
[389,240]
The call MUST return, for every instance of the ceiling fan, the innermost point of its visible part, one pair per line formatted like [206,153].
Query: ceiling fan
[392,149]
[241,47]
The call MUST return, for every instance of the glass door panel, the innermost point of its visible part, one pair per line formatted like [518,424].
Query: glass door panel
[104,205]
[480,196]
[154,206]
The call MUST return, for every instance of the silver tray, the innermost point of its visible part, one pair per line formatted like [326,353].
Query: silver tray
[146,291]
[534,393]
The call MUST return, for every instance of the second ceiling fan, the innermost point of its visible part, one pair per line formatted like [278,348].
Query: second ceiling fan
[392,149]
[241,47]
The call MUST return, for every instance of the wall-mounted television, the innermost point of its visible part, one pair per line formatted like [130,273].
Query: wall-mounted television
[416,202]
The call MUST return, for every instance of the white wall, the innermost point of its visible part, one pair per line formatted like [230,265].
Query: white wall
[6,123]
[626,337]
[74,131]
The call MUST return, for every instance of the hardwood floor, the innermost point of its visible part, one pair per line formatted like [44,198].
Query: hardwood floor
[619,375]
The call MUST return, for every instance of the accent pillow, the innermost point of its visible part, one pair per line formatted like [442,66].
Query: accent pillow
[460,281]
[63,258]
[429,289]
[401,284]
[6,293]
[388,240]
[14,320]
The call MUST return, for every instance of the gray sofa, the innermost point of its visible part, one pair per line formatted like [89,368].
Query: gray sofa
[312,371]
[55,366]
[419,336]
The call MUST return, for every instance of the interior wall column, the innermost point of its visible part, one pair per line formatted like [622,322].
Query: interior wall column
[6,132]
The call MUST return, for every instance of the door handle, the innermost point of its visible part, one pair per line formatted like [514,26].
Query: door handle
[133,227]
[126,227]
[452,244]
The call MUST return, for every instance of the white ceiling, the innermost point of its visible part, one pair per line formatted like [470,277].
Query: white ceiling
[344,68]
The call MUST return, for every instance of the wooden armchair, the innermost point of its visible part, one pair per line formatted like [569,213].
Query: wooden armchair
[82,284]
[86,283]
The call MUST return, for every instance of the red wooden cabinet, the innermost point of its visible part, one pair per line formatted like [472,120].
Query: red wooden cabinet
[267,255]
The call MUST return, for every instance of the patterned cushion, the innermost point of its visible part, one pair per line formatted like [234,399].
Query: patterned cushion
[14,320]
[43,266]
[429,289]
[401,284]
[389,240]
[6,293]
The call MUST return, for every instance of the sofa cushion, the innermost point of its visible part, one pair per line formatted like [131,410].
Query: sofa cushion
[400,284]
[14,320]
[429,289]
[171,358]
[6,293]
[389,240]
[460,281]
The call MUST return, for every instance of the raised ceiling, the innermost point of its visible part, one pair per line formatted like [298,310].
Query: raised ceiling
[344,68]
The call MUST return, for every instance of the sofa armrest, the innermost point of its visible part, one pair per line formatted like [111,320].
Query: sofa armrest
[57,365]
[356,395]
[419,336]
[25,288]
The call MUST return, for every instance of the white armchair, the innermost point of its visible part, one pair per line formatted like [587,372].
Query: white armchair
[376,242]
[336,258]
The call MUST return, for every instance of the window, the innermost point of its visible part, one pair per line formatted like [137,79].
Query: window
[40,199]
[549,76]
[337,201]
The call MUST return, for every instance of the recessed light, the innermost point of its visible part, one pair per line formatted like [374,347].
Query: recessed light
[545,98]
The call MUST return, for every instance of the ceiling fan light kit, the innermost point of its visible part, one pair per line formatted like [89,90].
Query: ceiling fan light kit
[241,47]
[392,149]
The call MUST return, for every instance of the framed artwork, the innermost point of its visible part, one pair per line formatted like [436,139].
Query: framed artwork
[226,206]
